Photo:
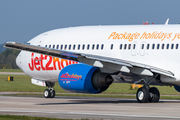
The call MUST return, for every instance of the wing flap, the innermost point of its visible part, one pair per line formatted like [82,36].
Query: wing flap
[130,64]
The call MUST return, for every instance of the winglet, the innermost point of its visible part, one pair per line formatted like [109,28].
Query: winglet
[167,21]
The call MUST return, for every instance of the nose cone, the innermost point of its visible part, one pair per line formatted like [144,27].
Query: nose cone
[18,61]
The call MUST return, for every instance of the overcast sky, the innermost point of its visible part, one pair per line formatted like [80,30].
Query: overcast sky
[21,20]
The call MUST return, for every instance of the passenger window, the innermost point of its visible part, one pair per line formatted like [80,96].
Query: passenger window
[57,47]
[65,47]
[125,46]
[49,46]
[120,46]
[177,45]
[78,46]
[167,47]
[53,46]
[102,46]
[157,46]
[162,46]
[69,47]
[129,46]
[46,46]
[153,46]
[111,46]
[74,46]
[97,47]
[93,47]
[142,46]
[88,47]
[147,46]
[172,46]
[134,46]
[83,46]
[61,47]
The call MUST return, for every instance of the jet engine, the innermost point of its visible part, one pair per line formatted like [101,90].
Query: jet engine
[82,78]
[177,88]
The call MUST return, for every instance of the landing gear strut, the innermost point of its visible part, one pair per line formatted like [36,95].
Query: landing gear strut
[50,92]
[146,94]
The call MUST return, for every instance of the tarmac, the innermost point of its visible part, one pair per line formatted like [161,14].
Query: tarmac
[89,108]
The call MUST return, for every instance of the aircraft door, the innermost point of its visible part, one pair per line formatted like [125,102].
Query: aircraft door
[134,48]
[142,48]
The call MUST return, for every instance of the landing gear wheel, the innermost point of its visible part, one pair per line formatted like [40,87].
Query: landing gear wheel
[142,95]
[52,92]
[47,93]
[154,94]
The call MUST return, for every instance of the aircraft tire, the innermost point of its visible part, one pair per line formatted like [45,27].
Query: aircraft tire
[154,94]
[142,95]
[53,93]
[47,93]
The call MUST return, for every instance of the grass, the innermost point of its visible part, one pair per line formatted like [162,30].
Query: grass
[22,83]
[14,117]
[11,70]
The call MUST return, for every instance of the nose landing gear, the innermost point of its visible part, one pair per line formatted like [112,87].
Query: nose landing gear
[50,92]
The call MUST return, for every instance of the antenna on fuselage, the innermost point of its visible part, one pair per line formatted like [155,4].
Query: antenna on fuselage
[167,21]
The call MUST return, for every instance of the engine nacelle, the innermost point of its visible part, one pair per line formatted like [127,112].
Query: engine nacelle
[177,88]
[82,78]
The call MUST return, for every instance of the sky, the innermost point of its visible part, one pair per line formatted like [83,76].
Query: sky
[21,20]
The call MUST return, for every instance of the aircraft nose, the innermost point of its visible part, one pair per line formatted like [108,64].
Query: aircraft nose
[18,60]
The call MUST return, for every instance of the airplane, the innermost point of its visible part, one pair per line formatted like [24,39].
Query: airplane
[87,59]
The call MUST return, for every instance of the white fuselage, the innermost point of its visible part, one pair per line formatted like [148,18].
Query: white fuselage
[154,45]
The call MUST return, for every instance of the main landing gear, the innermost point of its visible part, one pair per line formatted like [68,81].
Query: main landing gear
[50,92]
[146,94]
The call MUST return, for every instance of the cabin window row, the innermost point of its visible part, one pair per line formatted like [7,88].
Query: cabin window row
[161,46]
[77,47]
[149,46]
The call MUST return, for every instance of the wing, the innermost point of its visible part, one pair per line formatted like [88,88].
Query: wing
[94,60]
